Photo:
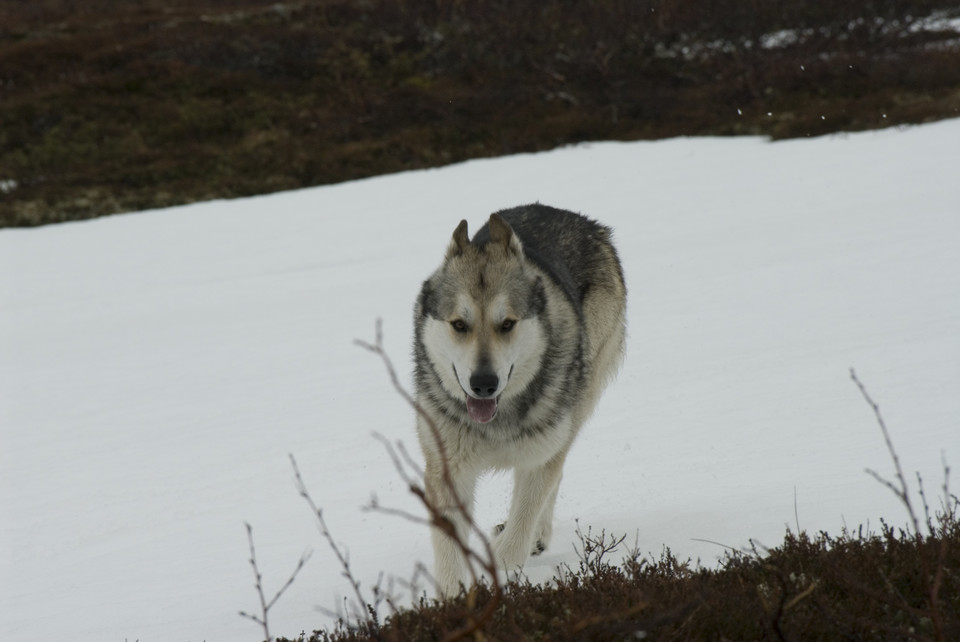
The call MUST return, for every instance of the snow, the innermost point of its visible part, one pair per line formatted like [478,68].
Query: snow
[156,369]
[937,21]
[945,21]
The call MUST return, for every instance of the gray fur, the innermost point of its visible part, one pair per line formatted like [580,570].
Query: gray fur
[516,335]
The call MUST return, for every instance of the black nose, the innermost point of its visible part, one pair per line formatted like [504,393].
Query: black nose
[484,383]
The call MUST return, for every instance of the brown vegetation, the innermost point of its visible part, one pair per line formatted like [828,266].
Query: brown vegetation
[117,106]
[858,586]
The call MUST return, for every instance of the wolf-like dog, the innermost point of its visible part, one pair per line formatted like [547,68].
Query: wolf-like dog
[516,335]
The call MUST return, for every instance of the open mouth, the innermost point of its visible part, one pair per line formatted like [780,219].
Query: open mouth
[481,410]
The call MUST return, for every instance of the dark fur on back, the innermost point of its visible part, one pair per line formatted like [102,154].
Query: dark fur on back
[561,243]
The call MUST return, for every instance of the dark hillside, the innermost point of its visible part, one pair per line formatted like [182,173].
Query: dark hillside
[112,106]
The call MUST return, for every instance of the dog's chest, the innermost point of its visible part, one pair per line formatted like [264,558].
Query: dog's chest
[515,450]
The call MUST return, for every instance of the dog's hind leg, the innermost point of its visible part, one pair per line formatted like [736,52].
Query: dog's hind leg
[544,530]
[534,495]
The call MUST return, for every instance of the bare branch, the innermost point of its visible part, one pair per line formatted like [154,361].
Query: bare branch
[933,585]
[796,511]
[342,557]
[902,492]
[265,606]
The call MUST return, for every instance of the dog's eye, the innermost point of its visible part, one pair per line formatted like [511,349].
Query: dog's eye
[507,325]
[459,325]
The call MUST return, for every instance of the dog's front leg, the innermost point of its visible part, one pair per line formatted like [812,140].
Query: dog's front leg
[451,503]
[533,488]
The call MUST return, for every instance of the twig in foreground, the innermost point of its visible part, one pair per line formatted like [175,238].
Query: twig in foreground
[322,524]
[902,493]
[265,606]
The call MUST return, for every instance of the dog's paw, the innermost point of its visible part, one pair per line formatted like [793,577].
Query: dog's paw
[538,546]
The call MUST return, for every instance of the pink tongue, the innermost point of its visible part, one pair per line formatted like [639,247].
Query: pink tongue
[481,410]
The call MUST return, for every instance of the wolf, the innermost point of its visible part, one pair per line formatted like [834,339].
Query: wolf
[516,334]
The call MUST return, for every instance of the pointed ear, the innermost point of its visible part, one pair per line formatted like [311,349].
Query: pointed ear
[459,241]
[502,234]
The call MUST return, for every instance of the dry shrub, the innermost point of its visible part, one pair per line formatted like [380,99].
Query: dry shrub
[859,585]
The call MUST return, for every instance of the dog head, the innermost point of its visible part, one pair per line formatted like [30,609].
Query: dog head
[482,319]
